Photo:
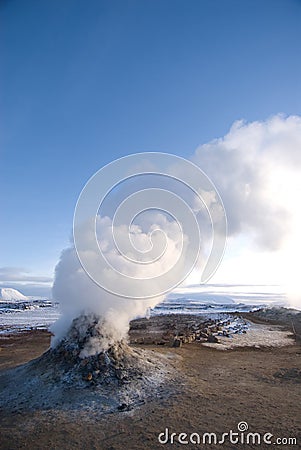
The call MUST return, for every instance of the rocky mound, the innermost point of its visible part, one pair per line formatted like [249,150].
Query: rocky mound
[86,370]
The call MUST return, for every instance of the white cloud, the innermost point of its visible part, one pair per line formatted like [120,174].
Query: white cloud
[26,282]
[256,169]
[13,274]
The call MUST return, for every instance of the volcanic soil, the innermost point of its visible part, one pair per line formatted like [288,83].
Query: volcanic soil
[207,391]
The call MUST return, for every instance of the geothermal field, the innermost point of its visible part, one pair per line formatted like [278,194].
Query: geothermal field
[150,161]
[186,373]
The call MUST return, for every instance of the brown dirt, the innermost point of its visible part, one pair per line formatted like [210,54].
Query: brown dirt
[216,390]
[19,348]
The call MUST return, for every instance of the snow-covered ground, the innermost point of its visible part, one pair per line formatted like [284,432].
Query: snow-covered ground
[256,336]
[221,298]
[33,312]
[24,315]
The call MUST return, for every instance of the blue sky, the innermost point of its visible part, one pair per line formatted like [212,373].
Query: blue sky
[83,83]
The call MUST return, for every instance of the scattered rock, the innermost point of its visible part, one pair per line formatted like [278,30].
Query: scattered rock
[292,374]
[163,330]
[123,407]
[177,343]
[88,377]
[212,339]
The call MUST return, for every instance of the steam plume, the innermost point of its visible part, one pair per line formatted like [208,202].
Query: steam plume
[79,295]
[256,168]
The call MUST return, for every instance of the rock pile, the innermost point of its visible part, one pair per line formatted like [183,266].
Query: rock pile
[184,329]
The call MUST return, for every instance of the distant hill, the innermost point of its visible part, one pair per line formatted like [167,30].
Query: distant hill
[11,295]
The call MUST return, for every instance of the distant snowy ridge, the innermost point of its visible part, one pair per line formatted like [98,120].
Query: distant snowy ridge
[11,295]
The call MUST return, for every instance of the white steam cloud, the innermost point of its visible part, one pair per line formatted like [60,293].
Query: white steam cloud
[79,295]
[256,169]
